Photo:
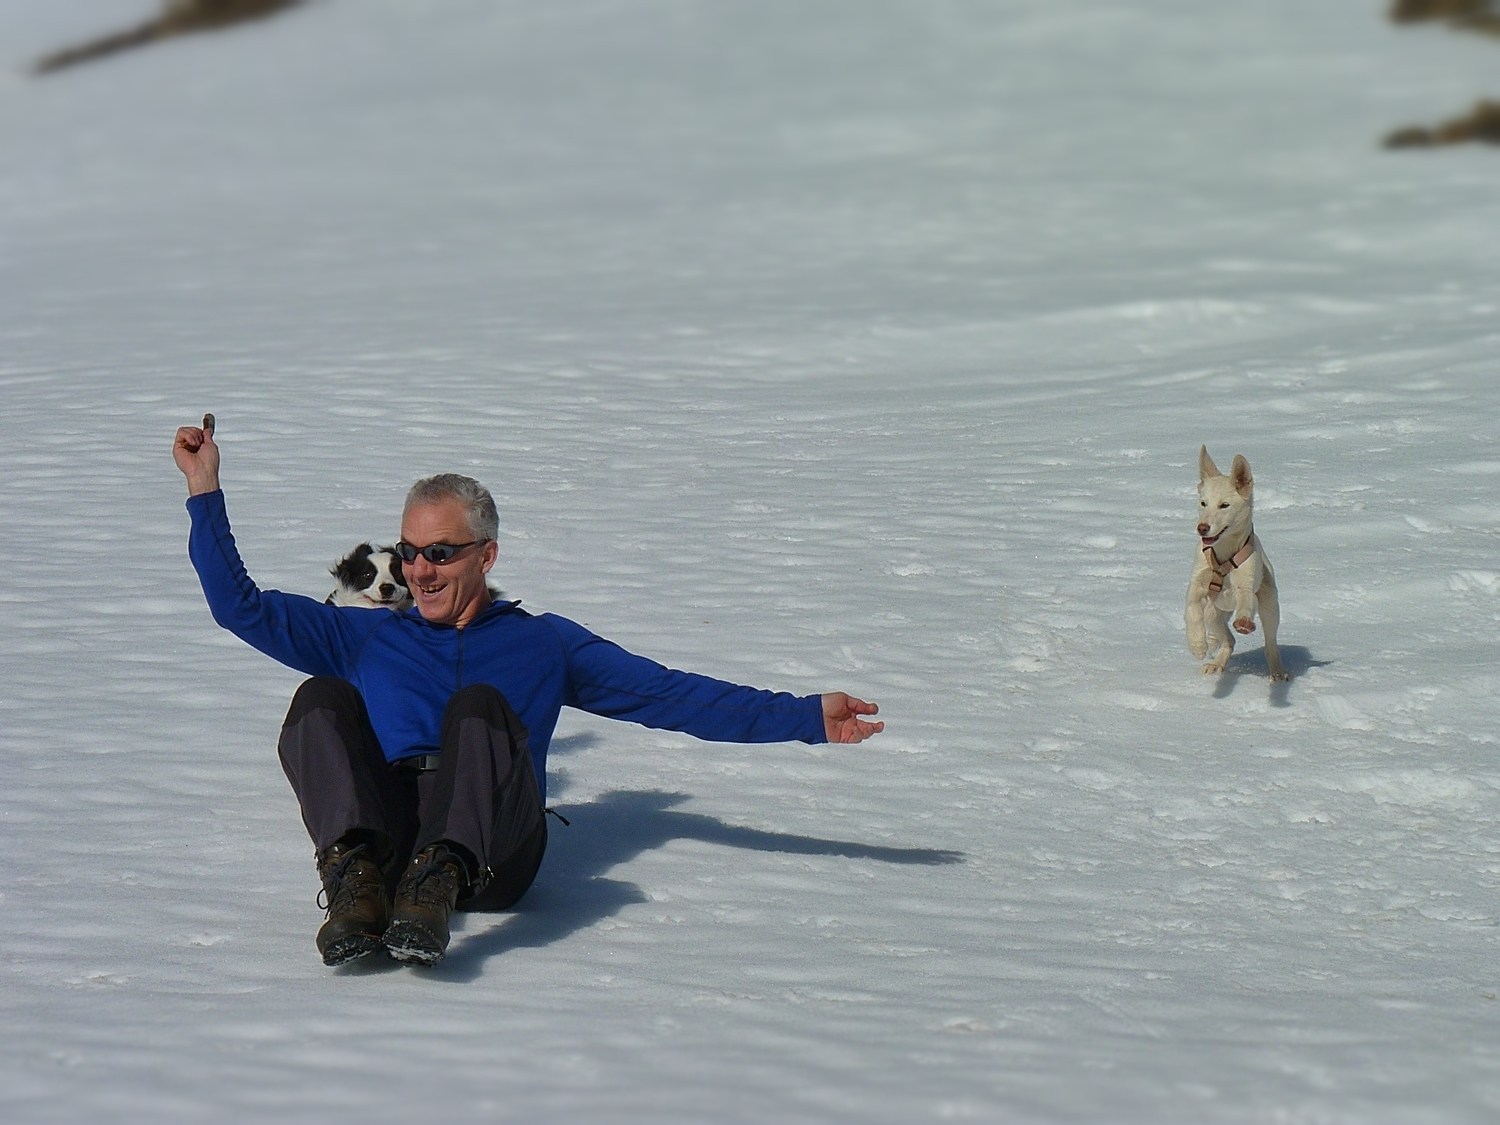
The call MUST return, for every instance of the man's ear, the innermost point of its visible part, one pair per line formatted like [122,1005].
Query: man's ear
[489,555]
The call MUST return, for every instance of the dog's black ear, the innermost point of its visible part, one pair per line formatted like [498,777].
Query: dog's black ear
[344,569]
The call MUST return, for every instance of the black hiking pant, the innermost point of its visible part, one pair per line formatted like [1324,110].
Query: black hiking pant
[483,796]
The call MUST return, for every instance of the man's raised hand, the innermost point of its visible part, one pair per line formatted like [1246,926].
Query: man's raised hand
[197,455]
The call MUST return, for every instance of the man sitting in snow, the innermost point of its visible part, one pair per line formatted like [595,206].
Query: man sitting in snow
[418,749]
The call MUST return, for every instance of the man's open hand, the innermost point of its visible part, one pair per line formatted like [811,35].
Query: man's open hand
[842,721]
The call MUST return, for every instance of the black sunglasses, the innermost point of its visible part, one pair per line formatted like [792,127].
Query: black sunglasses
[435,553]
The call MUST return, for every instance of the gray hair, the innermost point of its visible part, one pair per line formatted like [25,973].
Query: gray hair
[484,520]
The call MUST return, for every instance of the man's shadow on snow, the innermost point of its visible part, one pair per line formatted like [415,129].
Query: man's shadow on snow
[572,893]
[1294,658]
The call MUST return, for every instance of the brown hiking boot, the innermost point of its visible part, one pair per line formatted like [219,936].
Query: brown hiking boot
[418,933]
[358,904]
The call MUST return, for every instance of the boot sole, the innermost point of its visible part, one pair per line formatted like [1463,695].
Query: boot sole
[412,945]
[351,948]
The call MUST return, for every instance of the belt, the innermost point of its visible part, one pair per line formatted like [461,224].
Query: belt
[420,763]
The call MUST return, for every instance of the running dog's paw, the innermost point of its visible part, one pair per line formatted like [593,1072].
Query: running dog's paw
[1198,647]
[1244,625]
[1214,668]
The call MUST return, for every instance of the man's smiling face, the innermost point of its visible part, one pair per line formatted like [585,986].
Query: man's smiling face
[451,593]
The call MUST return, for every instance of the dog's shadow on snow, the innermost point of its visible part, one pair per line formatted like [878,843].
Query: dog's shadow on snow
[572,891]
[1252,663]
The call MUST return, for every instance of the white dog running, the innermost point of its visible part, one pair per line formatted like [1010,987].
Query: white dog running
[1231,573]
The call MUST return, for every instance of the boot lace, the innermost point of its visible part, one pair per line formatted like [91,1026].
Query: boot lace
[435,882]
[342,880]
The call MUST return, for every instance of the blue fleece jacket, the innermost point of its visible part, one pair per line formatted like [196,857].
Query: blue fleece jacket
[407,668]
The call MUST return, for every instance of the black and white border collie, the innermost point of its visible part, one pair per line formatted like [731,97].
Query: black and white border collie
[370,577]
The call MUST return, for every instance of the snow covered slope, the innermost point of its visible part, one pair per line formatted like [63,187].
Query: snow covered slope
[841,345]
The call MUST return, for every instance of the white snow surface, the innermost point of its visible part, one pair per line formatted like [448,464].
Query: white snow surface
[850,344]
